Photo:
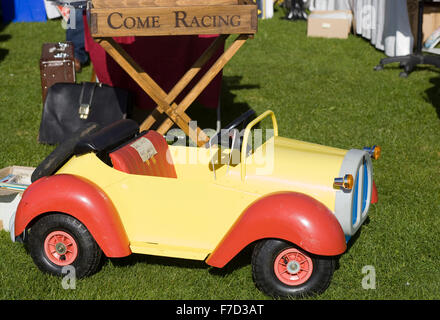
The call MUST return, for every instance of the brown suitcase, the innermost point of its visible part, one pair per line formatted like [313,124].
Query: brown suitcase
[56,65]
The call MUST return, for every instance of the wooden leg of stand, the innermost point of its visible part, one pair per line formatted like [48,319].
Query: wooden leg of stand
[185,80]
[135,71]
[206,79]
[151,88]
[93,77]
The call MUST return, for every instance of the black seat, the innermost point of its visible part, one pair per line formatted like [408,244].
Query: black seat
[90,138]
[107,138]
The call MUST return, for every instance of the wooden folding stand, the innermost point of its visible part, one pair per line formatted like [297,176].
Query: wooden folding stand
[116,18]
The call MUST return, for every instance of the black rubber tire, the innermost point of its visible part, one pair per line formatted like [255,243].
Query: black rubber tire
[89,253]
[263,259]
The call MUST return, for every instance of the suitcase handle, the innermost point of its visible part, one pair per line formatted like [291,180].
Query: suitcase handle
[85,98]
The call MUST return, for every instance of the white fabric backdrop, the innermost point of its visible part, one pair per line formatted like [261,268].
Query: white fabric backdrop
[384,23]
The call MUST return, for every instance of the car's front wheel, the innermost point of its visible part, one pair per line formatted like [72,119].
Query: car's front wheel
[58,240]
[282,270]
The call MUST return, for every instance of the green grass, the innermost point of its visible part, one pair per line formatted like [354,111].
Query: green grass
[323,91]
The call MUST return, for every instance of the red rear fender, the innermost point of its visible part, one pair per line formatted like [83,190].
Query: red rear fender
[80,198]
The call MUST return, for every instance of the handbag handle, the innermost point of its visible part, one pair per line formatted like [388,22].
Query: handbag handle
[86,98]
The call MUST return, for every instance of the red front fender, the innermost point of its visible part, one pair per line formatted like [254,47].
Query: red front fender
[291,216]
[80,198]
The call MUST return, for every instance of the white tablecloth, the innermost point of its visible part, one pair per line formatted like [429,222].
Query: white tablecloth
[384,22]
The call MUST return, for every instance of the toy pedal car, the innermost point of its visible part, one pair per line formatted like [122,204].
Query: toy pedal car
[115,191]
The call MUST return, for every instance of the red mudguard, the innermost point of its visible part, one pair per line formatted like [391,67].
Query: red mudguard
[374,196]
[291,216]
[80,198]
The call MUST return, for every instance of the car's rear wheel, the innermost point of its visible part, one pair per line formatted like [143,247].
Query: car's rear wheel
[283,270]
[58,240]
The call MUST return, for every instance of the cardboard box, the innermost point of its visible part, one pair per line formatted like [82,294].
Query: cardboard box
[13,181]
[329,24]
[431,21]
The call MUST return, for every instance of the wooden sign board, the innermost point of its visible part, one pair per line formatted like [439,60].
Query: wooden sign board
[179,20]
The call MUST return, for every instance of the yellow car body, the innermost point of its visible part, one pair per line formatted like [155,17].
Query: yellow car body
[187,217]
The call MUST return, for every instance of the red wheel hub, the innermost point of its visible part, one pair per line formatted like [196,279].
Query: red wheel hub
[293,267]
[61,248]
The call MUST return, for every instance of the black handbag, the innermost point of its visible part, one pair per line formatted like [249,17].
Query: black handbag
[70,106]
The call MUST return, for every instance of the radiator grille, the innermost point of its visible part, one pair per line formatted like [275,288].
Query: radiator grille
[351,206]
[360,192]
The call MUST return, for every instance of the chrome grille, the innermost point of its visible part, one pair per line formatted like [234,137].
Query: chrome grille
[361,192]
[351,206]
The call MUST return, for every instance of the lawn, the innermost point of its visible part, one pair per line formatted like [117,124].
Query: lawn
[323,91]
